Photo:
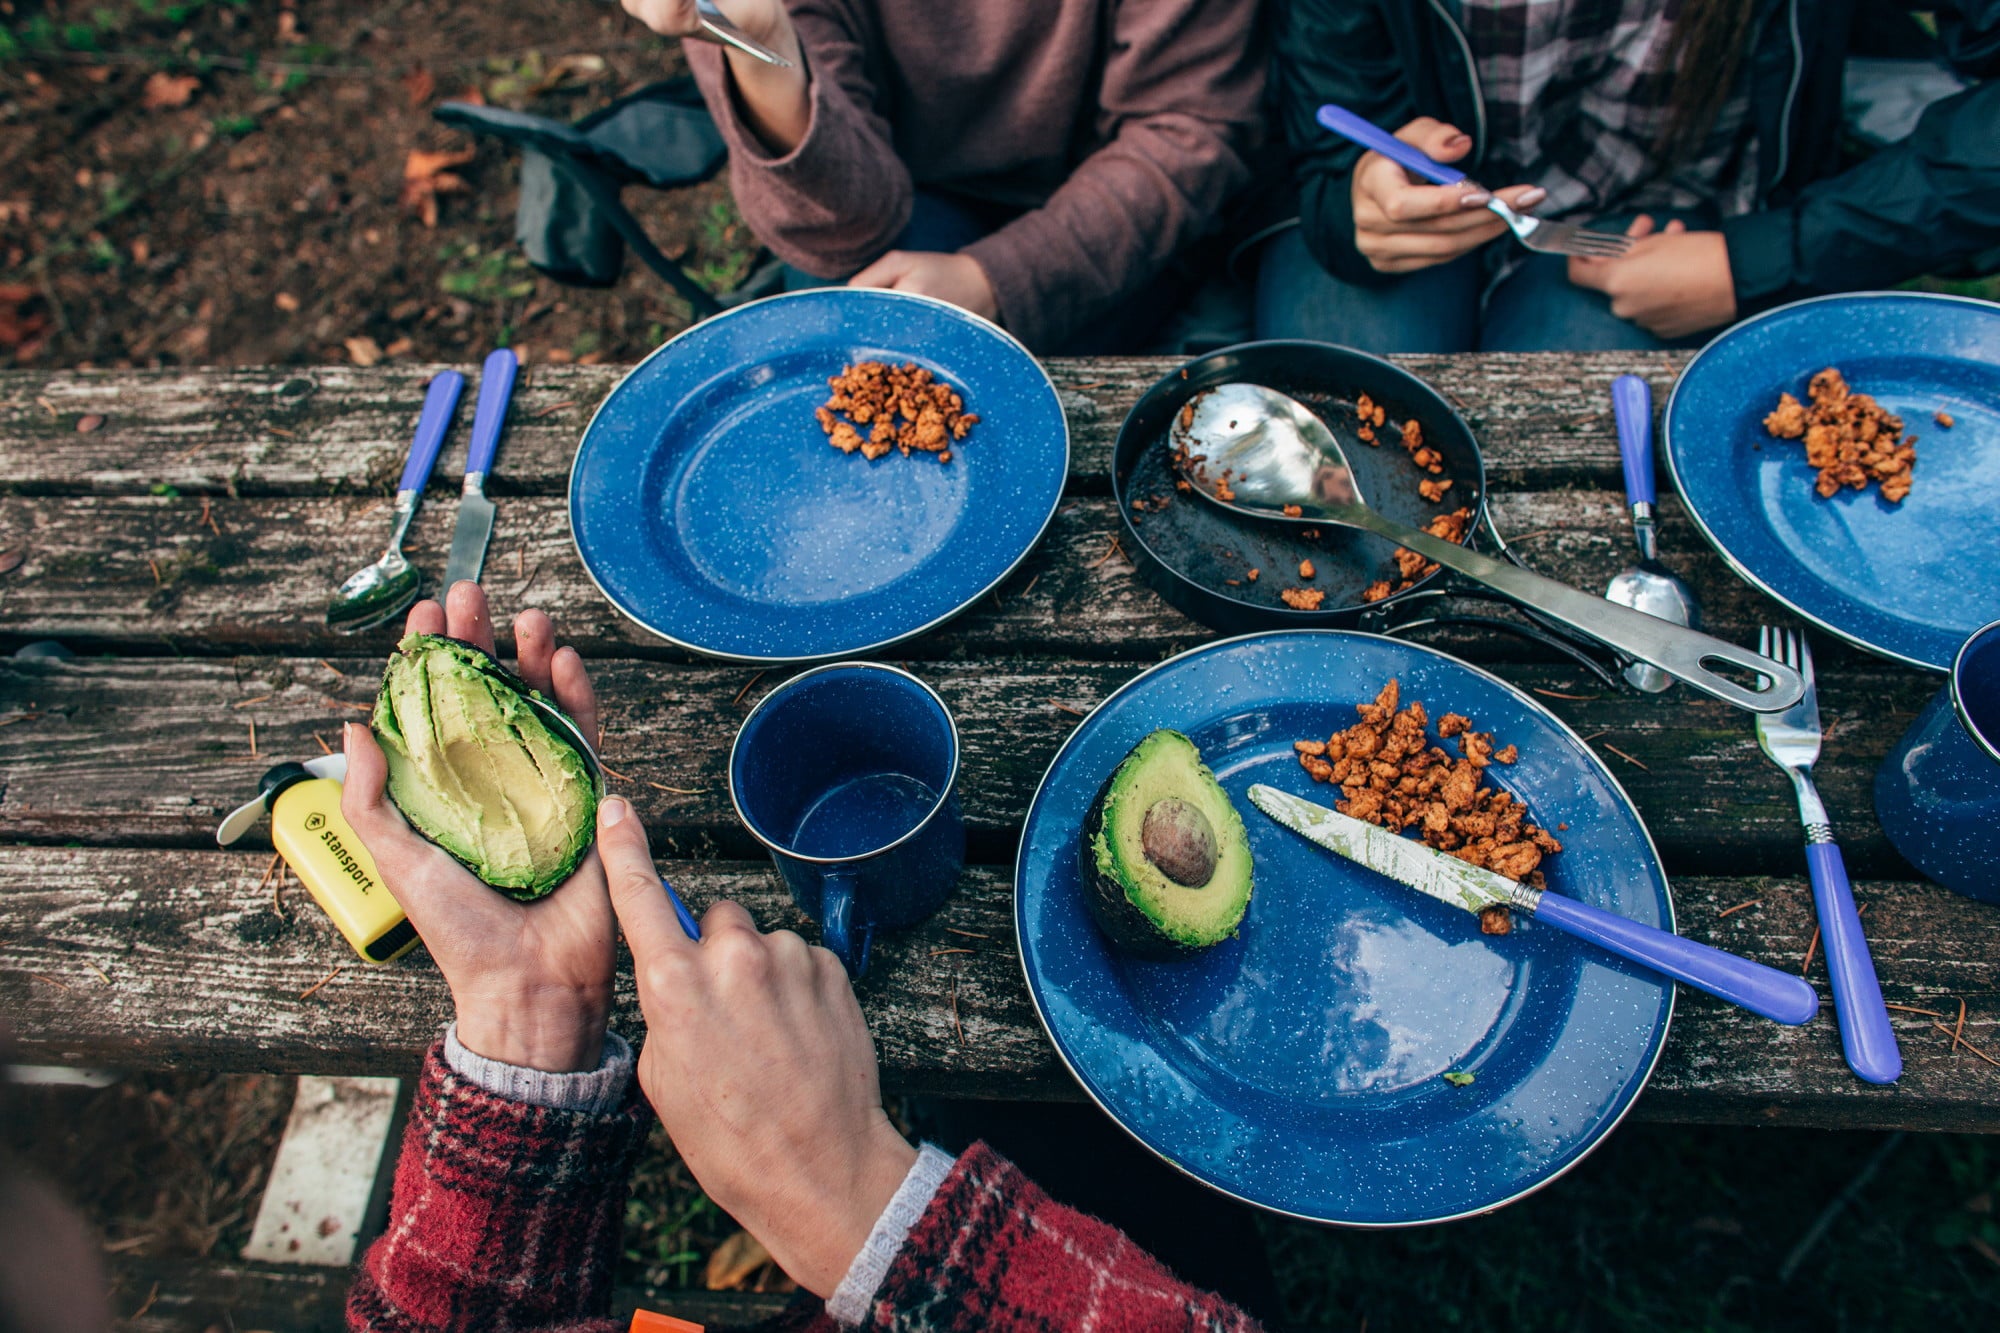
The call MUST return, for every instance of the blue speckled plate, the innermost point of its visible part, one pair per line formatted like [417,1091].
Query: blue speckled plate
[1298,1067]
[708,506]
[1909,581]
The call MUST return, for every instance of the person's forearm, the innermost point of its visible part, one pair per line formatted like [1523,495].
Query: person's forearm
[776,100]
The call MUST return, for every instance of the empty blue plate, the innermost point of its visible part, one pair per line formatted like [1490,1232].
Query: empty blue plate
[708,506]
[1909,581]
[1300,1065]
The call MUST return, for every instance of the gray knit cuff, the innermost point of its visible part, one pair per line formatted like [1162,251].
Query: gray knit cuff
[848,1306]
[596,1091]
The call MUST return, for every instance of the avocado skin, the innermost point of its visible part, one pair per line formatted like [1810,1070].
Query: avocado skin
[475,659]
[1130,930]
[1123,922]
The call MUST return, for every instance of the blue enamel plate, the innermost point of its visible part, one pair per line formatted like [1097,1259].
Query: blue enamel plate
[1911,580]
[1299,1066]
[709,507]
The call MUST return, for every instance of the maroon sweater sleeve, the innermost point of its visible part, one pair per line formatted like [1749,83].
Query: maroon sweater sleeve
[1178,109]
[832,205]
[504,1215]
[993,1251]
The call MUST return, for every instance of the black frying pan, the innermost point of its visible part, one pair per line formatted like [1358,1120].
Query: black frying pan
[1198,556]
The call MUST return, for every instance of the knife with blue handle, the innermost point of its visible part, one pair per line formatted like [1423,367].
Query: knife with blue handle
[1776,995]
[475,511]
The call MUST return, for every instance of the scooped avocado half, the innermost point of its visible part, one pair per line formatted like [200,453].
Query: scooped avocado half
[477,770]
[1165,856]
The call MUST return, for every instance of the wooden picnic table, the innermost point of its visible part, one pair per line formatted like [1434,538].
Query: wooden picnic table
[184,545]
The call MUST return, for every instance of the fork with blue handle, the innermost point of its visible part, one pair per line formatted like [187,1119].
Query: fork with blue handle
[1556,238]
[1792,740]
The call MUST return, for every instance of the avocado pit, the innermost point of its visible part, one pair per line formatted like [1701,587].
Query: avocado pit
[1179,841]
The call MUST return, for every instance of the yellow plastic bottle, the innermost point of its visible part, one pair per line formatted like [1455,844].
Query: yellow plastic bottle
[336,869]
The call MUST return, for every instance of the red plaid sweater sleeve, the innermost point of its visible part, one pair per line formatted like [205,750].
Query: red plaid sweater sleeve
[505,1217]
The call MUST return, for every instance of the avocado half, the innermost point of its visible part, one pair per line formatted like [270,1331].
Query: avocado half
[1166,860]
[476,768]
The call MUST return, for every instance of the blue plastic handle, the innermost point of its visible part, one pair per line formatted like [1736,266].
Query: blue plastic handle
[1356,130]
[837,926]
[496,387]
[1632,405]
[1762,990]
[688,924]
[1865,1034]
[440,403]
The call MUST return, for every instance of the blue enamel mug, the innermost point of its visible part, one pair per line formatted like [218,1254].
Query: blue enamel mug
[848,774]
[1938,792]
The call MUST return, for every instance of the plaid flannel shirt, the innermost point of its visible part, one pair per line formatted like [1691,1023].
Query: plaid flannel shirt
[506,1219]
[1575,96]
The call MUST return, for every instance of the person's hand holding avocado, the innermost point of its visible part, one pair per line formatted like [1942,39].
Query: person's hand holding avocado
[531,981]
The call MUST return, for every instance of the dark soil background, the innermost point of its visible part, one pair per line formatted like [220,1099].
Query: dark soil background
[219,182]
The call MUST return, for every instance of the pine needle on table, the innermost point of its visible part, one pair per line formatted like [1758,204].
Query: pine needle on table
[312,989]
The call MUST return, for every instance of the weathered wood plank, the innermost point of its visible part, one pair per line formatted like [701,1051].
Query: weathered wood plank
[150,575]
[197,1296]
[154,751]
[142,919]
[1543,420]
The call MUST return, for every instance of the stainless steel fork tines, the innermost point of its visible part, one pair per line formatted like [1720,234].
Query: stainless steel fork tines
[1560,238]
[1792,738]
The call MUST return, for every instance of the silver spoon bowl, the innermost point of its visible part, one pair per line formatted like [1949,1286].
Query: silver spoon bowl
[376,594]
[1259,453]
[1648,586]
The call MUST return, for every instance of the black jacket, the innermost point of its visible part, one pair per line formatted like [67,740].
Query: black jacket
[1915,207]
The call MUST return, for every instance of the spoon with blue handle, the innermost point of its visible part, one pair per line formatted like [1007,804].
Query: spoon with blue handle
[1776,995]
[1556,238]
[1648,586]
[382,591]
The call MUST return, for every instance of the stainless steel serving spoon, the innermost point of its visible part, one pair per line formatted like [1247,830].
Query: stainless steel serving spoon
[376,594]
[1648,586]
[1276,454]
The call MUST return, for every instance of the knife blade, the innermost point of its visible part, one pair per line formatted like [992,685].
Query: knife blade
[1776,995]
[475,511]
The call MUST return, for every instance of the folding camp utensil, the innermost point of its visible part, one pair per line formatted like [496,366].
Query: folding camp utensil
[475,511]
[1555,238]
[716,27]
[1762,990]
[378,593]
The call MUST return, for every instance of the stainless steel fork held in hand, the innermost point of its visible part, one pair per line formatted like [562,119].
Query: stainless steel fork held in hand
[1555,238]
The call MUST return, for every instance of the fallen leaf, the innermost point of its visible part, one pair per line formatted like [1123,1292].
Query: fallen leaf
[428,175]
[364,351]
[19,330]
[400,347]
[419,85]
[88,423]
[286,302]
[11,560]
[14,210]
[739,1261]
[288,28]
[164,90]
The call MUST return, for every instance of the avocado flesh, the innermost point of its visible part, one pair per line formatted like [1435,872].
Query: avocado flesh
[1165,854]
[477,770]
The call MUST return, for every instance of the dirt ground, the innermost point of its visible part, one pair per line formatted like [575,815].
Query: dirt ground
[229,186]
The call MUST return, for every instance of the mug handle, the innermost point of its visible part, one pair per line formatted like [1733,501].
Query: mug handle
[837,926]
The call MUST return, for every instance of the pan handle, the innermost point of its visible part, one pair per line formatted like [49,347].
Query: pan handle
[1680,652]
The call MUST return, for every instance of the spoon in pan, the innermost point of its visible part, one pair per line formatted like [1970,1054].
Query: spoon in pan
[376,594]
[1266,456]
[1648,586]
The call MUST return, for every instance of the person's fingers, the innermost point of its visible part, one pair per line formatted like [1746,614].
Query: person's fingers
[1522,198]
[669,18]
[1438,140]
[1592,273]
[1387,200]
[426,617]
[725,916]
[534,647]
[1674,228]
[573,691]
[884,272]
[466,612]
[1640,226]
[1423,247]
[644,913]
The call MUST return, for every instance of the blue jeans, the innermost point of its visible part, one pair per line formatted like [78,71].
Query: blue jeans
[1535,308]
